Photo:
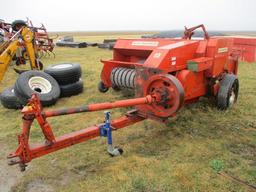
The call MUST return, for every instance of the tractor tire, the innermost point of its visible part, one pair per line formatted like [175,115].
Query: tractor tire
[37,82]
[228,92]
[102,88]
[9,100]
[71,89]
[65,73]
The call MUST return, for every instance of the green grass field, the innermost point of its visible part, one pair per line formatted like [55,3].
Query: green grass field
[178,156]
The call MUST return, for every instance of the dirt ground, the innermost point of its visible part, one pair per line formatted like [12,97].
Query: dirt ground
[9,175]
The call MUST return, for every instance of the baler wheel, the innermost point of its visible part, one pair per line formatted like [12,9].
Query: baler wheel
[102,88]
[228,92]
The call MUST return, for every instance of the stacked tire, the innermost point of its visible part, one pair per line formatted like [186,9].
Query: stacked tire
[37,82]
[9,100]
[68,76]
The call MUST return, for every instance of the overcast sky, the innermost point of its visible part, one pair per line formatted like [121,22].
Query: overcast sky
[97,15]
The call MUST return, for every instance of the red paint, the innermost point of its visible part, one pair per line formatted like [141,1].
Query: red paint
[246,46]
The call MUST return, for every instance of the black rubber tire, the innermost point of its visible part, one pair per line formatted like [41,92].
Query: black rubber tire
[9,100]
[103,45]
[67,74]
[24,92]
[71,89]
[18,23]
[228,85]
[102,88]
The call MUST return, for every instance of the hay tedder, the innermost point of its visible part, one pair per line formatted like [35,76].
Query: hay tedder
[166,74]
[44,43]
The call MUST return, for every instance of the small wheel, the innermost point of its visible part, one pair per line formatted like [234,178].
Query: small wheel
[116,152]
[102,88]
[228,92]
[121,151]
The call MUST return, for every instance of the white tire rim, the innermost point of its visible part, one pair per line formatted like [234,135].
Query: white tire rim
[40,85]
[62,66]
[232,98]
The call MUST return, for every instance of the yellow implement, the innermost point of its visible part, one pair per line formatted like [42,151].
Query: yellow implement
[23,38]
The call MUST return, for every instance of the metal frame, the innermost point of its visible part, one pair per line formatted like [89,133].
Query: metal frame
[33,111]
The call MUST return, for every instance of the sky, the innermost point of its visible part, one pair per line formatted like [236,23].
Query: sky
[134,15]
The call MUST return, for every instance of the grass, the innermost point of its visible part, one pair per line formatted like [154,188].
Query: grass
[182,155]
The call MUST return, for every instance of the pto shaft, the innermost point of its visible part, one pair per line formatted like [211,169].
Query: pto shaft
[101,106]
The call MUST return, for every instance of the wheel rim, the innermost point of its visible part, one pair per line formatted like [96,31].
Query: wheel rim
[233,94]
[40,85]
[62,66]
[232,98]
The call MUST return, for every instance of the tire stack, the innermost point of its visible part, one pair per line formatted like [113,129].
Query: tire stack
[68,76]
[59,80]
[29,83]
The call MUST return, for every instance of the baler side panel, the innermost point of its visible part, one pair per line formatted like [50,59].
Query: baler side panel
[219,50]
[194,83]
